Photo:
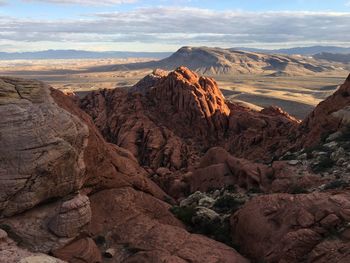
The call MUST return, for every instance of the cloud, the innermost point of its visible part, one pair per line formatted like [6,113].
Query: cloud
[170,27]
[3,2]
[85,2]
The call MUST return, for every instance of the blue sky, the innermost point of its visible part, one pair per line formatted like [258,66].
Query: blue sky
[165,25]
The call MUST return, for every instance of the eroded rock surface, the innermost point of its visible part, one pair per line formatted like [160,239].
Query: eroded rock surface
[10,252]
[72,216]
[42,147]
[294,228]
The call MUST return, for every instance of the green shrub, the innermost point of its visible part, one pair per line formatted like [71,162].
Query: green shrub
[218,230]
[185,214]
[231,188]
[323,165]
[297,189]
[336,184]
[345,136]
[317,148]
[227,203]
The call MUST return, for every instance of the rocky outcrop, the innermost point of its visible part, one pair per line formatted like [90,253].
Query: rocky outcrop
[194,103]
[84,190]
[259,136]
[57,148]
[173,119]
[330,116]
[153,121]
[219,169]
[294,228]
[42,147]
[123,121]
[140,232]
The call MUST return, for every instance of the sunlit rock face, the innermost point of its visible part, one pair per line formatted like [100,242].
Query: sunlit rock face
[42,147]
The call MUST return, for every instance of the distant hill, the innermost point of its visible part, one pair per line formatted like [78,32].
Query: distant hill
[80,54]
[334,57]
[217,61]
[306,51]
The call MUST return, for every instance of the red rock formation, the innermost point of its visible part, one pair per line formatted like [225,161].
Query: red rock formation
[194,104]
[326,118]
[294,228]
[259,136]
[218,169]
[171,120]
[66,147]
[161,111]
[119,170]
[80,251]
[140,229]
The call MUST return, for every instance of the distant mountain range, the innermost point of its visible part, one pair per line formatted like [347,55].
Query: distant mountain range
[80,54]
[334,57]
[217,61]
[306,51]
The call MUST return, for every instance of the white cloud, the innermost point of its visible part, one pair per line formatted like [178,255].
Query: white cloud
[173,27]
[85,2]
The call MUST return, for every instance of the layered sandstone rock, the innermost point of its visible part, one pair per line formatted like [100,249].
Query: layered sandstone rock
[294,228]
[73,215]
[42,147]
[80,251]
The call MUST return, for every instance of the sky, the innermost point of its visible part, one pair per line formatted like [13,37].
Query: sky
[166,25]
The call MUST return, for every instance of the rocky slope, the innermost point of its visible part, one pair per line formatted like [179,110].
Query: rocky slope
[169,171]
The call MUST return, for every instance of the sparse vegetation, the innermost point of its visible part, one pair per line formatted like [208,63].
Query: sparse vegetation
[227,203]
[216,229]
[317,148]
[185,214]
[297,189]
[324,163]
[336,184]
